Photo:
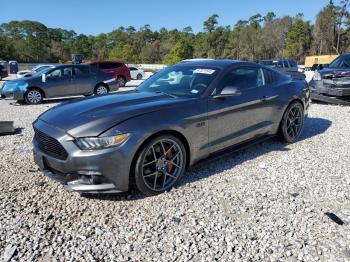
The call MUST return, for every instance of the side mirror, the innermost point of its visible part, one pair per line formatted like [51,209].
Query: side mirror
[228,91]
[43,78]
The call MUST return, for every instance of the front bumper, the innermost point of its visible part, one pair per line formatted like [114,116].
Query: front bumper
[329,87]
[98,171]
[12,95]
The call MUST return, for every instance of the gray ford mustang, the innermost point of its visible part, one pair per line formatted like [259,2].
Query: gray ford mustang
[149,136]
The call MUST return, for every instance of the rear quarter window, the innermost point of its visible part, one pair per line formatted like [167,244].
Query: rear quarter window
[271,76]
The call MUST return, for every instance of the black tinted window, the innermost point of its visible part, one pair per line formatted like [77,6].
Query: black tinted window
[293,63]
[270,76]
[244,78]
[115,65]
[105,66]
[81,70]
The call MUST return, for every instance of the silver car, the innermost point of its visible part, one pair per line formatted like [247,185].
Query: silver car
[60,81]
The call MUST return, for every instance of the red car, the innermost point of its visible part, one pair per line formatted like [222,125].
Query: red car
[120,70]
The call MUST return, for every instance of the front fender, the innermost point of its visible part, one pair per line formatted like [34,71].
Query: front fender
[184,120]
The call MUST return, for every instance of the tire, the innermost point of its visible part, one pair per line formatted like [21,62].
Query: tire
[121,81]
[292,123]
[101,90]
[160,164]
[34,96]
[139,77]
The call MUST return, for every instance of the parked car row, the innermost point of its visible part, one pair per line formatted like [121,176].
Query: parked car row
[60,81]
[49,81]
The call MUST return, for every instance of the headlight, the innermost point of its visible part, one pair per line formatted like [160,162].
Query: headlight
[93,143]
[317,76]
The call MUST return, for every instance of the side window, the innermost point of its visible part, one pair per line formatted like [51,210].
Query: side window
[270,76]
[285,63]
[104,66]
[67,71]
[81,70]
[57,73]
[244,78]
[115,65]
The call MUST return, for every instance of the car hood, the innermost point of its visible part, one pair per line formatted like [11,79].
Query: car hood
[93,116]
[330,73]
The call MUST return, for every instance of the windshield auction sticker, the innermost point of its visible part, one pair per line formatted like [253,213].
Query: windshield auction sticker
[204,71]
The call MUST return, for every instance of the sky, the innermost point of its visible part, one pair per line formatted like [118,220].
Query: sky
[102,16]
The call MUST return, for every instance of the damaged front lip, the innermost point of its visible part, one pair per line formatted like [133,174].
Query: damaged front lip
[336,75]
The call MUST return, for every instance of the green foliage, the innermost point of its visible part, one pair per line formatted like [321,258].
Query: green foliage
[258,37]
[298,39]
[124,53]
[180,51]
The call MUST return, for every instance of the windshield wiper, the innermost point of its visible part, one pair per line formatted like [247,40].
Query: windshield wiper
[165,93]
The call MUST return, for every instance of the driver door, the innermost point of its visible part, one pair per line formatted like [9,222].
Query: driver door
[242,116]
[59,82]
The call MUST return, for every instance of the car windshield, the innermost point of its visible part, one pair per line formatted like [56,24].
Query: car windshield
[41,71]
[184,81]
[341,62]
[40,68]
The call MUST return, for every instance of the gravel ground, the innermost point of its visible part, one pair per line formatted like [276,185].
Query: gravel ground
[266,203]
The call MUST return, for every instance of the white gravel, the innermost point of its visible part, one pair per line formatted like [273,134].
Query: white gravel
[266,203]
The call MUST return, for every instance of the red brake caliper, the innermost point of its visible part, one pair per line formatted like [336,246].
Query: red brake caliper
[169,156]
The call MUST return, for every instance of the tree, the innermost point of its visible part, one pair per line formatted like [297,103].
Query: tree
[298,39]
[324,30]
[180,51]
[125,53]
[210,23]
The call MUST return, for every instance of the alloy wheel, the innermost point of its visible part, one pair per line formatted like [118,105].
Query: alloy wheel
[294,121]
[162,165]
[34,96]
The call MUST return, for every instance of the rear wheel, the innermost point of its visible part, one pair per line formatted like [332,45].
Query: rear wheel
[160,165]
[121,81]
[100,90]
[292,123]
[139,77]
[33,97]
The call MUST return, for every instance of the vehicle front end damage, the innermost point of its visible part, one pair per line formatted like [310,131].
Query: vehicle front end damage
[331,84]
[13,90]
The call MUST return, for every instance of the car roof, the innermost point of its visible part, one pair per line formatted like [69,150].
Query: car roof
[221,63]
[102,62]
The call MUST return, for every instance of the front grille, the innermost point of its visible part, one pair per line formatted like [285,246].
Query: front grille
[50,145]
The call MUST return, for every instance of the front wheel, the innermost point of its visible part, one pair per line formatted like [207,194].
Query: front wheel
[33,97]
[160,165]
[292,123]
